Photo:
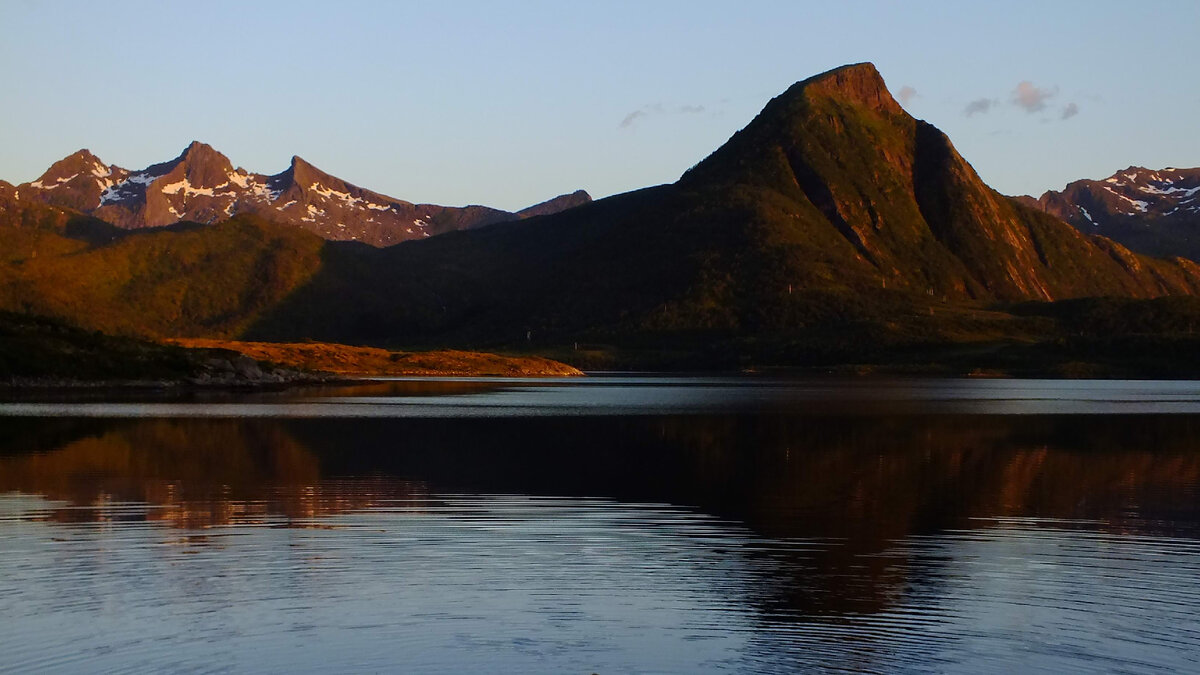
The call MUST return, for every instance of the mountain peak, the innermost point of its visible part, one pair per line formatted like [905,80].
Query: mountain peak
[197,152]
[857,82]
[810,125]
[303,172]
[203,166]
[81,162]
[82,158]
[83,154]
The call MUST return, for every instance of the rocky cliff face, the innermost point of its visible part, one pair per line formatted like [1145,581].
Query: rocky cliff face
[201,185]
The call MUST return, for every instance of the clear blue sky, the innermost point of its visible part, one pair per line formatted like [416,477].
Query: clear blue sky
[508,103]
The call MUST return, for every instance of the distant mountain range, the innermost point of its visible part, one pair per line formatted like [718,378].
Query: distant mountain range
[1156,212]
[834,227]
[200,185]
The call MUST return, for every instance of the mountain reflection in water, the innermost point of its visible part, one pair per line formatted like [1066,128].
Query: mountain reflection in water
[761,541]
[860,483]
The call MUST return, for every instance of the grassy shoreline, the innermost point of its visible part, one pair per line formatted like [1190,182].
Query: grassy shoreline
[45,353]
[344,360]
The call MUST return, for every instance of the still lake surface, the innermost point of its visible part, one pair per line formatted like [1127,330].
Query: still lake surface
[608,524]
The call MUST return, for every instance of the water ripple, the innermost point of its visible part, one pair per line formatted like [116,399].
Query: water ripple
[502,582]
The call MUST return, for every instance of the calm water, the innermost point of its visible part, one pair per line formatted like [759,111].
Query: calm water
[614,524]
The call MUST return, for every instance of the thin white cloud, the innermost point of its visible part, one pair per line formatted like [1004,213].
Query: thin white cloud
[658,109]
[1032,98]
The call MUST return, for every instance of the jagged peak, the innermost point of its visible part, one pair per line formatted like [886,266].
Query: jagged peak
[81,161]
[197,152]
[304,173]
[84,154]
[81,157]
[202,165]
[304,166]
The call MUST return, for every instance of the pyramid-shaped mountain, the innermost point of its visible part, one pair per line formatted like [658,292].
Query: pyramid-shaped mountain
[201,185]
[833,204]
[892,201]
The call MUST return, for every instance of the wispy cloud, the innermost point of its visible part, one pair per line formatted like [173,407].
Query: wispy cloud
[978,106]
[659,109]
[906,94]
[1070,110]
[1032,98]
[633,117]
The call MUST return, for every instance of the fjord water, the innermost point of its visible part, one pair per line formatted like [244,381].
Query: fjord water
[610,524]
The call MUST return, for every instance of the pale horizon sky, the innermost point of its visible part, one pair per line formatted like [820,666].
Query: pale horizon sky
[507,104]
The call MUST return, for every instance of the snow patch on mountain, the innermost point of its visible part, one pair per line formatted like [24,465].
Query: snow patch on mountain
[142,178]
[1136,203]
[186,188]
[57,182]
[263,192]
[202,185]
[350,202]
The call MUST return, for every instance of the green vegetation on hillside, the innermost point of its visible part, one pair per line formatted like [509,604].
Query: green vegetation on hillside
[186,280]
[34,348]
[834,230]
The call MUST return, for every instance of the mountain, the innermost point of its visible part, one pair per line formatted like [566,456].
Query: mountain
[559,203]
[201,185]
[833,227]
[834,215]
[1156,212]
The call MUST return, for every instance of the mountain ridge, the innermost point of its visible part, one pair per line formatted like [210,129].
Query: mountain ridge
[1152,211]
[201,185]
